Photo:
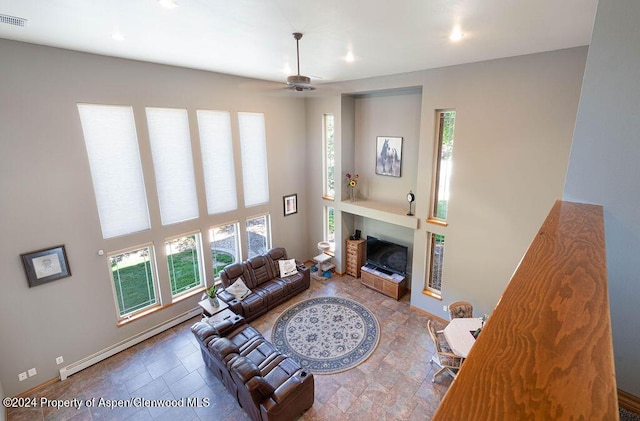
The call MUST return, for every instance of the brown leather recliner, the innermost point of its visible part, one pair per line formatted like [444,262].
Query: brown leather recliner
[267,384]
[261,274]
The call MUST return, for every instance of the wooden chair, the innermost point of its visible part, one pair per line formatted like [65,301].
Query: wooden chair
[460,309]
[447,361]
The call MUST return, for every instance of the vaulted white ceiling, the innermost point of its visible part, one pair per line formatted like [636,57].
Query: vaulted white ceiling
[253,37]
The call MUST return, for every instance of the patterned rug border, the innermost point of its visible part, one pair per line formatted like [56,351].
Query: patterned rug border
[306,301]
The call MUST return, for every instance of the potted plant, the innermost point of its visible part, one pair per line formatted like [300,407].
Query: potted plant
[213,298]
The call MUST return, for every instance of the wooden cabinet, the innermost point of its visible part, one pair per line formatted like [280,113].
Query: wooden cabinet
[355,256]
[389,285]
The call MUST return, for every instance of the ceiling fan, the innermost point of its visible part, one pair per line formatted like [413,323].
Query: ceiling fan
[299,82]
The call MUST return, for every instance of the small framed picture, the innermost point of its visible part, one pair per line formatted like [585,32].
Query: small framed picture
[388,155]
[290,203]
[46,265]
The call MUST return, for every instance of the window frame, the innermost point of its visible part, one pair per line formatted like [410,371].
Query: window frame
[328,161]
[200,264]
[326,229]
[268,244]
[437,166]
[123,318]
[238,244]
[224,160]
[431,246]
[112,204]
[254,157]
[169,132]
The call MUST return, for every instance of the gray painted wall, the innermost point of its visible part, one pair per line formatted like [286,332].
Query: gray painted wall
[391,113]
[47,195]
[515,123]
[515,120]
[2,410]
[604,168]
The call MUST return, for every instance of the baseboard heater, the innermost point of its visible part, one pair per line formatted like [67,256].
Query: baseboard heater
[127,343]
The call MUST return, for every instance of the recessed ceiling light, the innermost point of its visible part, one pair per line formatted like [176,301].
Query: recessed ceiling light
[350,58]
[168,4]
[456,34]
[117,35]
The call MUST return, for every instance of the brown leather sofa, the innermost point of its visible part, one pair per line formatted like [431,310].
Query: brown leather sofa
[267,384]
[261,274]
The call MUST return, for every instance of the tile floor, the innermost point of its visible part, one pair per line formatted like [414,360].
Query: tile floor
[393,384]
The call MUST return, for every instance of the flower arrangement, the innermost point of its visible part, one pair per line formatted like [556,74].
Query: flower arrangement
[211,292]
[352,181]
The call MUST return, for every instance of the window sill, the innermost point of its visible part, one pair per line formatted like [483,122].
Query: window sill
[432,294]
[439,222]
[188,294]
[157,308]
[140,315]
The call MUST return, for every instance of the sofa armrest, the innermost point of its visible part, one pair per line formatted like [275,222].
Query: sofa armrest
[227,325]
[231,300]
[294,396]
[291,385]
[300,265]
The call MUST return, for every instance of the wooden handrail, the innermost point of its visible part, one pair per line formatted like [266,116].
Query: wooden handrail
[546,352]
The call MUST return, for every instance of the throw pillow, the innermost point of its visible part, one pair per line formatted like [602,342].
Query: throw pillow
[238,289]
[288,267]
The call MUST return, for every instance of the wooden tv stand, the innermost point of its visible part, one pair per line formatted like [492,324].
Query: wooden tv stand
[389,285]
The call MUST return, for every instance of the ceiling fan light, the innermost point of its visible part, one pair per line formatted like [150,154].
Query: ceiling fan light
[298,80]
[299,83]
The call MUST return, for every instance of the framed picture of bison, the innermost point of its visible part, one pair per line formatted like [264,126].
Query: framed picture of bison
[388,155]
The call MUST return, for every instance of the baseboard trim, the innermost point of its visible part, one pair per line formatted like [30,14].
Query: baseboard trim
[433,316]
[127,343]
[628,401]
[38,387]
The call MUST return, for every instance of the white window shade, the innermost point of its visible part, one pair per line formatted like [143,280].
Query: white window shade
[253,146]
[112,147]
[217,160]
[173,164]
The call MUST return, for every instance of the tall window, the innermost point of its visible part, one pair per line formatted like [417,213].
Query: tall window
[443,164]
[132,273]
[258,235]
[112,147]
[329,159]
[445,123]
[330,227]
[436,262]
[217,160]
[184,263]
[253,146]
[225,246]
[173,164]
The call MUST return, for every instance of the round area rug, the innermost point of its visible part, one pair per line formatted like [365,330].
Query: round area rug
[326,334]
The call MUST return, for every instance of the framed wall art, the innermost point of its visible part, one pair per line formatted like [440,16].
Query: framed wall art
[290,203]
[388,155]
[46,265]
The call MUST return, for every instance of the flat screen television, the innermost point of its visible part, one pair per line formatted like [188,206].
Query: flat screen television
[386,256]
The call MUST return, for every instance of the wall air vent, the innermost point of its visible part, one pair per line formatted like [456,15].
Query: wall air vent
[12,20]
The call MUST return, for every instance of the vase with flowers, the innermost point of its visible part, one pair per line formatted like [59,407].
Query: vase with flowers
[352,183]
